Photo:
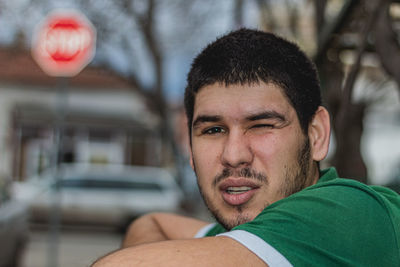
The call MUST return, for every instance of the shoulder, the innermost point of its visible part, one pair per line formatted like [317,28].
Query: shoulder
[330,221]
[342,191]
[339,204]
[347,195]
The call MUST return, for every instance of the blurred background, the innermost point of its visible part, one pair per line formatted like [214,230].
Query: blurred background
[82,156]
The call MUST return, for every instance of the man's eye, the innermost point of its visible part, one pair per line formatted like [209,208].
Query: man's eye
[214,130]
[263,126]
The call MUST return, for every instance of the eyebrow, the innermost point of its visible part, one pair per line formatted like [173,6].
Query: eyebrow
[270,114]
[205,118]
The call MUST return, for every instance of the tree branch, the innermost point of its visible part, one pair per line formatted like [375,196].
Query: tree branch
[386,43]
[327,34]
[238,14]
[320,6]
[267,18]
[352,76]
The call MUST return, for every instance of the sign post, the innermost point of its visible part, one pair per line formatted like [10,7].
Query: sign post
[62,45]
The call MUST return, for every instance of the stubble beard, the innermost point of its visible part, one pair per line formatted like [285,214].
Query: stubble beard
[296,178]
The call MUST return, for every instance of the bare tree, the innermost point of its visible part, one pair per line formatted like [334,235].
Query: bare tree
[267,19]
[386,42]
[360,20]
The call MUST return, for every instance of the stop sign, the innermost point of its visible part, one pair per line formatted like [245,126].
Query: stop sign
[64,43]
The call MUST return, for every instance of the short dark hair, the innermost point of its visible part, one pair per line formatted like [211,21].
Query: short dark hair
[247,56]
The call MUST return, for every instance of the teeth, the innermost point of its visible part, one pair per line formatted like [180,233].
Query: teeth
[237,190]
[241,188]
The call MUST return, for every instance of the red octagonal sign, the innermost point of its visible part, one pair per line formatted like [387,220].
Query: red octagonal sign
[64,43]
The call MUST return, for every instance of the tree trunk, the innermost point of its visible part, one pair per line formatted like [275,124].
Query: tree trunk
[347,116]
[238,14]
[386,43]
[348,159]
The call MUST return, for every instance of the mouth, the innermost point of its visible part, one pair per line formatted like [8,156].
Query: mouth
[237,191]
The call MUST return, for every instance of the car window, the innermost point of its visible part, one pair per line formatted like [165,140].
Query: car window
[108,184]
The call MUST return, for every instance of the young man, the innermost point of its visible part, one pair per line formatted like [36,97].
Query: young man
[257,132]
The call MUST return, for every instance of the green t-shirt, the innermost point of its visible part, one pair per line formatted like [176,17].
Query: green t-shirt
[336,222]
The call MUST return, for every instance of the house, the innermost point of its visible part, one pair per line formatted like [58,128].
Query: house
[94,117]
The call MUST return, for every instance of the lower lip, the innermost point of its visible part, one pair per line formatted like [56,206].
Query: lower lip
[238,199]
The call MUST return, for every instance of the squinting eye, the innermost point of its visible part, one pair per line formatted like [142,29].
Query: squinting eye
[214,130]
[263,126]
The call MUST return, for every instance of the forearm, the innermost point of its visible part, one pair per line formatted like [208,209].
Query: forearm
[142,231]
[210,251]
[177,247]
[157,227]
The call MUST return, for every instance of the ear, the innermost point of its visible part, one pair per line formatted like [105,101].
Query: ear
[319,134]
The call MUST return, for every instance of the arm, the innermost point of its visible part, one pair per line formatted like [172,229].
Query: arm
[210,251]
[157,227]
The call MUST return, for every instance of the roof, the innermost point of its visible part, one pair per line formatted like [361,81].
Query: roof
[39,115]
[18,67]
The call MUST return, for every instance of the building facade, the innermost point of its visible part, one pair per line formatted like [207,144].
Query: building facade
[95,117]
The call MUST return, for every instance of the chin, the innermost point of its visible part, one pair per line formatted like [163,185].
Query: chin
[234,218]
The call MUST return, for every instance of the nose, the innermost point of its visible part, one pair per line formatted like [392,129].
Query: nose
[237,151]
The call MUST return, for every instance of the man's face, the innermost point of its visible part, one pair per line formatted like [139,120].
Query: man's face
[248,150]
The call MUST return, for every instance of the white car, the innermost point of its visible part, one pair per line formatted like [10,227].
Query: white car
[105,195]
[14,232]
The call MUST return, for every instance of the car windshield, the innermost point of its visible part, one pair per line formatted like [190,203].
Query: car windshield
[87,183]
